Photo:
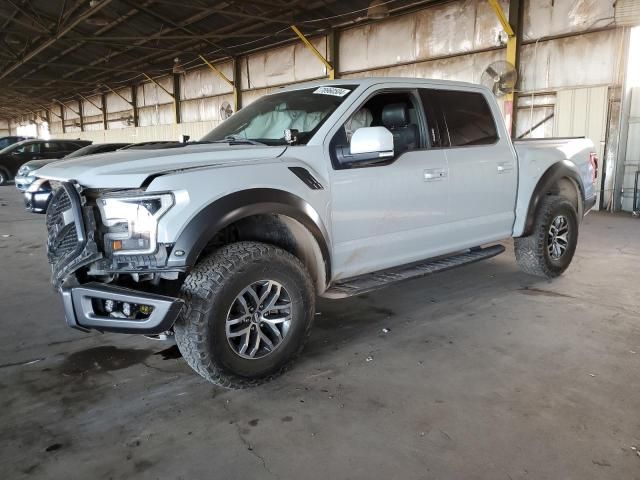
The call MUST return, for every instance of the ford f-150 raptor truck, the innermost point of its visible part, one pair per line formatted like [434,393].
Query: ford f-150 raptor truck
[326,189]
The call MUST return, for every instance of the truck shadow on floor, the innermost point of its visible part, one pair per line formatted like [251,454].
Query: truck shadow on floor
[340,322]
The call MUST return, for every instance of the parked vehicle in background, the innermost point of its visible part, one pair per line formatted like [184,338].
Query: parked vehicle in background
[16,155]
[11,139]
[333,188]
[25,176]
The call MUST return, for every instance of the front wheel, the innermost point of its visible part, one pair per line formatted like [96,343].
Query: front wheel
[548,250]
[249,310]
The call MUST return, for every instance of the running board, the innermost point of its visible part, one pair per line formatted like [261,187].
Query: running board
[373,281]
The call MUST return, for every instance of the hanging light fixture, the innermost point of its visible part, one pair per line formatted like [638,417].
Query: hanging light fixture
[377,10]
[177,66]
[97,20]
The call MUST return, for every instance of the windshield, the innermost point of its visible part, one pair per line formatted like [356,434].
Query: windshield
[266,119]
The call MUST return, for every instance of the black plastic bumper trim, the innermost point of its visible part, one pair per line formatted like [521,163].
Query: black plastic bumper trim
[589,204]
[79,312]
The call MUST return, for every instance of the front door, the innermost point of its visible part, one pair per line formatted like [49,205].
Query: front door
[391,213]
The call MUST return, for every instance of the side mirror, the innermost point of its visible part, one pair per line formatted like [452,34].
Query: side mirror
[368,145]
[376,141]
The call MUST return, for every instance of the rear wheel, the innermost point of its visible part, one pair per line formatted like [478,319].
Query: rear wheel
[249,311]
[548,251]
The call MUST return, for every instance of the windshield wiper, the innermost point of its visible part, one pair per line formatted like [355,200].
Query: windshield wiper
[234,139]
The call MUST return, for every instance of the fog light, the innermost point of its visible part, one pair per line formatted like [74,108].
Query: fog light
[126,309]
[146,309]
[108,306]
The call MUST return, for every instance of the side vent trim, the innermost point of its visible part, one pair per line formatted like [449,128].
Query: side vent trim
[309,180]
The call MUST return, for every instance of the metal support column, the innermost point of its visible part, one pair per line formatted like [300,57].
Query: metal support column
[330,68]
[176,98]
[105,118]
[134,105]
[512,26]
[333,50]
[81,115]
[237,86]
[516,20]
[64,129]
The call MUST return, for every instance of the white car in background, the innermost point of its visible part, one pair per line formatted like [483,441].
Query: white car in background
[27,172]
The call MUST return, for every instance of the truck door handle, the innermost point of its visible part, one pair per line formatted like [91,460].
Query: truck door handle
[434,174]
[505,167]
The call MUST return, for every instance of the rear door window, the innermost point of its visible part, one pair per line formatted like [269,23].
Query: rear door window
[467,118]
[29,148]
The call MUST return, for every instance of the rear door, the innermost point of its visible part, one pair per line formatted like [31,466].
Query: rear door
[482,166]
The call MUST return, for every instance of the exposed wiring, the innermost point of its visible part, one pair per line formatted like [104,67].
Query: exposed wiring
[340,15]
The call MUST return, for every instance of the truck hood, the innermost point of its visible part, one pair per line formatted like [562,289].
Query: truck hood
[130,168]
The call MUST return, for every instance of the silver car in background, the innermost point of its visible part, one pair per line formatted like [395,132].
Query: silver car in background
[26,173]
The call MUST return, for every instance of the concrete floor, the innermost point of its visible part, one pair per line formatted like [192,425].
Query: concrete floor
[485,373]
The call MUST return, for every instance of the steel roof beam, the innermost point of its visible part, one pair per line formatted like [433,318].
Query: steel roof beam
[53,39]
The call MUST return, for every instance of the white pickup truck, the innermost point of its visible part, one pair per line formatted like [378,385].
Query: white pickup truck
[325,189]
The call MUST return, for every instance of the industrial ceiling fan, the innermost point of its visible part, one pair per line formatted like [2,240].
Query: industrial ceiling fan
[500,77]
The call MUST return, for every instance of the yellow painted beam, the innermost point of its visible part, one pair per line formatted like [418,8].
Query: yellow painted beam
[221,74]
[87,100]
[158,85]
[497,8]
[176,113]
[330,70]
[512,48]
[50,111]
[216,70]
[123,98]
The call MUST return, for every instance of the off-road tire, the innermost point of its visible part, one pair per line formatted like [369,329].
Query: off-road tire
[208,292]
[531,251]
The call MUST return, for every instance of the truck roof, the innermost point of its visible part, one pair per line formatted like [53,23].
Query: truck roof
[369,81]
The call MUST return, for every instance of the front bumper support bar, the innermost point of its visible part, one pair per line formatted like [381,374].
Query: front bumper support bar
[78,303]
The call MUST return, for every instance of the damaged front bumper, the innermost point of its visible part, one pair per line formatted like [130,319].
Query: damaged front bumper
[84,309]
[103,306]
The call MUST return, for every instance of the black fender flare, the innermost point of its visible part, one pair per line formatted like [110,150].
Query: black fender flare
[238,205]
[555,172]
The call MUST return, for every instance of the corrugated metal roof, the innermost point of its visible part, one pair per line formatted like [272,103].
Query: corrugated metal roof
[55,49]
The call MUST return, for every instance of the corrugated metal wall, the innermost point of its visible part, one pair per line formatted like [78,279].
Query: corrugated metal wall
[582,112]
[632,160]
[455,40]
[5,129]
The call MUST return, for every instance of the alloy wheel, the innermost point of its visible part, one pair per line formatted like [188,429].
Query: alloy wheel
[259,319]
[558,237]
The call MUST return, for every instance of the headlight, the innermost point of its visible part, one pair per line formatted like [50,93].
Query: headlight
[132,222]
